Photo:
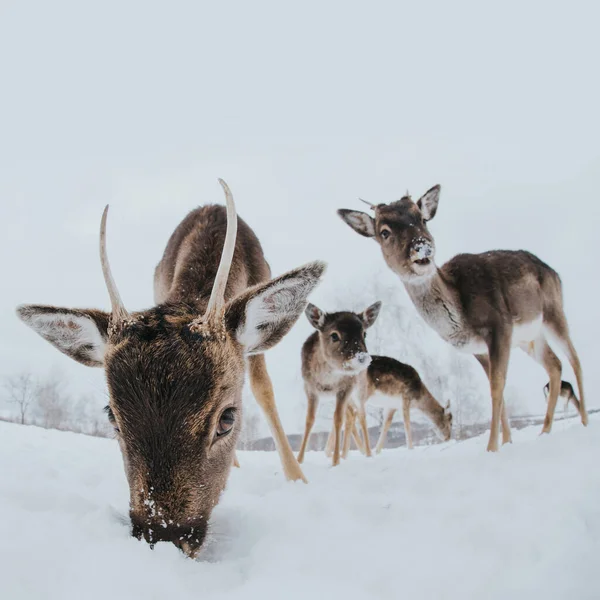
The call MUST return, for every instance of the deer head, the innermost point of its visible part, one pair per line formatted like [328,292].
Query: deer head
[342,336]
[175,384]
[400,228]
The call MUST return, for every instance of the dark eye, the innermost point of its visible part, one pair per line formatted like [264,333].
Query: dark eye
[226,422]
[385,233]
[335,337]
[111,418]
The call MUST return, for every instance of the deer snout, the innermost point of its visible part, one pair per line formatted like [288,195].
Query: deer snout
[422,251]
[188,538]
[361,360]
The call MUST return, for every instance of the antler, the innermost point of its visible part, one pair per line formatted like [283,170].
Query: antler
[372,206]
[119,313]
[217,296]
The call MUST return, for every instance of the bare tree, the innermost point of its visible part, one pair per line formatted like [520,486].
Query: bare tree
[21,392]
[53,405]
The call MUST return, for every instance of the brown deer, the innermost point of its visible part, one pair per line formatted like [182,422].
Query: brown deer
[332,359]
[482,304]
[175,372]
[402,388]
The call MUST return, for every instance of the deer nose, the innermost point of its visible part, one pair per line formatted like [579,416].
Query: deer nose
[188,539]
[421,250]
[363,358]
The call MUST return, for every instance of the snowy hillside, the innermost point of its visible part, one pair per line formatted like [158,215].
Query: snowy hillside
[449,521]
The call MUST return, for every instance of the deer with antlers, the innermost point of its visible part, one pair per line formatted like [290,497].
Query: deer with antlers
[483,304]
[175,371]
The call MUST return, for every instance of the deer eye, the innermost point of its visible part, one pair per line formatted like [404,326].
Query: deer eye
[385,233]
[226,422]
[335,337]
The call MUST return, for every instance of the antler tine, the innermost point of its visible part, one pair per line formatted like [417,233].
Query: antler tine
[217,296]
[119,313]
[372,206]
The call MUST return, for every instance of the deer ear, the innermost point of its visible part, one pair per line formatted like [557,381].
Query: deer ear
[315,315]
[262,315]
[447,408]
[369,315]
[80,334]
[359,221]
[428,202]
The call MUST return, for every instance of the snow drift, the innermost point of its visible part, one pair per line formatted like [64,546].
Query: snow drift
[445,521]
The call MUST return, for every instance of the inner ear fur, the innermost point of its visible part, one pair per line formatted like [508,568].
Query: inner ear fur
[262,315]
[81,334]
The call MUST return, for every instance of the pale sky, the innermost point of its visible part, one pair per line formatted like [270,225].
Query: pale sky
[301,109]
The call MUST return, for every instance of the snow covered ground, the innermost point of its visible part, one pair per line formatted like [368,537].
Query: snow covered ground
[448,521]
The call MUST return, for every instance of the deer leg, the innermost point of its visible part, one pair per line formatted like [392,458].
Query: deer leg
[329,444]
[389,417]
[484,361]
[406,417]
[236,462]
[541,352]
[362,418]
[558,331]
[313,403]
[338,419]
[262,388]
[499,353]
[348,426]
[357,439]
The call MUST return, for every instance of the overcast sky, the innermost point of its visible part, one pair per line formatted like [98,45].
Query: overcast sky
[301,109]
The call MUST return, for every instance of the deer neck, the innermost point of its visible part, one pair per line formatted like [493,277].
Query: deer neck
[437,301]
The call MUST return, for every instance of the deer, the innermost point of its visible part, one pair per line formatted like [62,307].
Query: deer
[402,387]
[335,361]
[175,372]
[567,393]
[333,357]
[482,304]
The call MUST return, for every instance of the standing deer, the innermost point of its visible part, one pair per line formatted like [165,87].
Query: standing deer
[333,357]
[402,388]
[175,372]
[482,304]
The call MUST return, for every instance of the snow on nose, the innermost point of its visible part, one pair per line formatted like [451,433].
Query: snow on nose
[360,361]
[421,249]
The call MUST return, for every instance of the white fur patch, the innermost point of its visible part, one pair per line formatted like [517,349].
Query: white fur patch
[524,333]
[69,332]
[384,401]
[283,301]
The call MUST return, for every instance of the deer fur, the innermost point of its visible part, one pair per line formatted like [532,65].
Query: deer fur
[483,304]
[175,371]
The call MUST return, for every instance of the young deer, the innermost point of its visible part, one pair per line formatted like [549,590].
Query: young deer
[482,304]
[333,357]
[404,389]
[566,393]
[175,372]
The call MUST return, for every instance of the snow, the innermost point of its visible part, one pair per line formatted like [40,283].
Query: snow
[445,521]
